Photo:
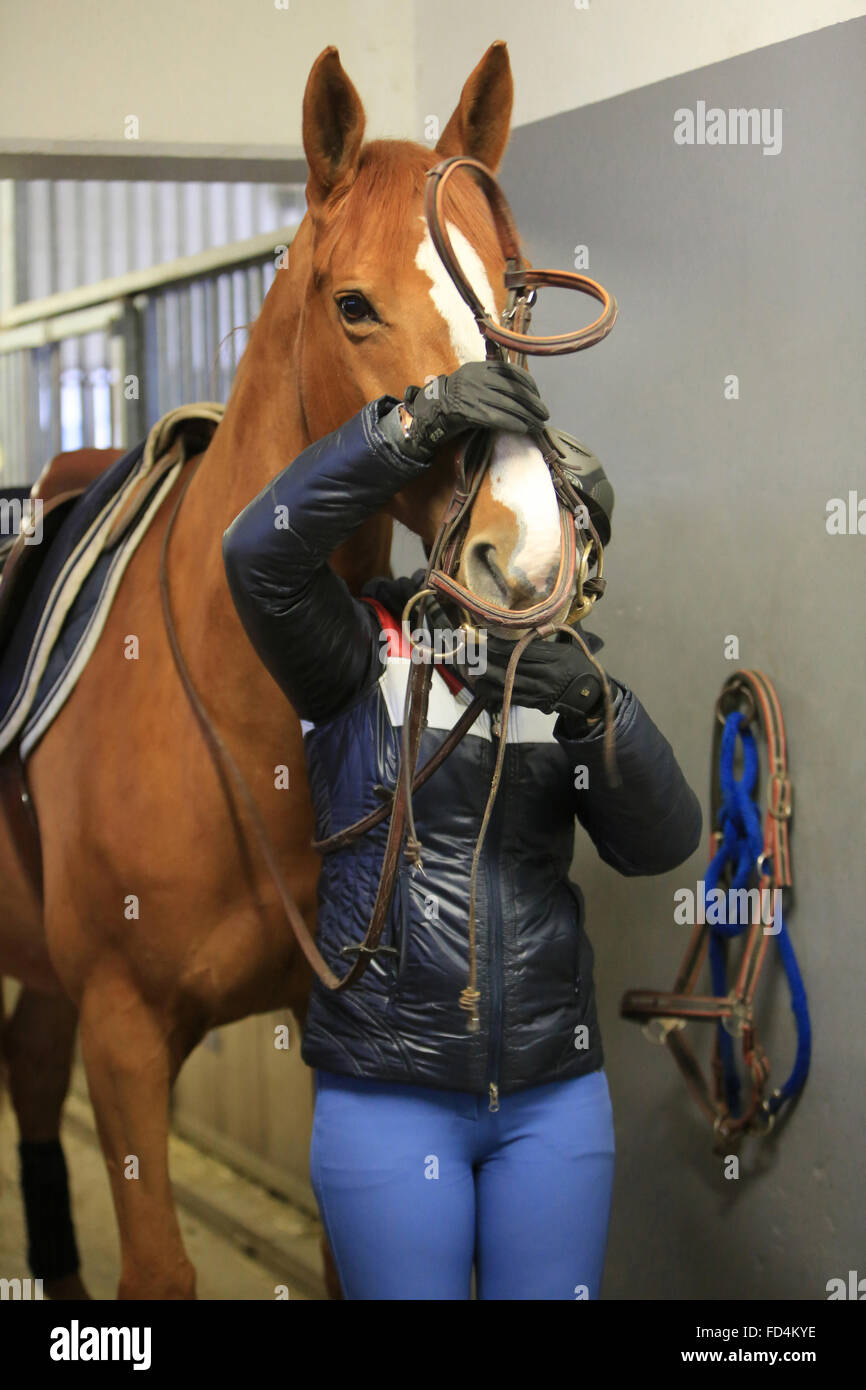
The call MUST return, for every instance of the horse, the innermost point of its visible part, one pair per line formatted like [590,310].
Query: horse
[127,799]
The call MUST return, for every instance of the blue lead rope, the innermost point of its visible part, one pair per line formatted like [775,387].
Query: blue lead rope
[739,853]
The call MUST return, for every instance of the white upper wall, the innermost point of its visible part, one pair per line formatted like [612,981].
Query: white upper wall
[227,76]
[568,53]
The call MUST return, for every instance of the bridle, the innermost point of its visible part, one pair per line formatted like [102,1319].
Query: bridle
[580,575]
[580,546]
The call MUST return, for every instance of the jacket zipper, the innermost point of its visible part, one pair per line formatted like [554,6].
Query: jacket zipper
[494,933]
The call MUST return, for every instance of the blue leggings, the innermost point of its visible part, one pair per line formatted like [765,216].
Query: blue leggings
[414,1184]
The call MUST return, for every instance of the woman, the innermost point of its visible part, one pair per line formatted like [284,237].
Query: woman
[434,1146]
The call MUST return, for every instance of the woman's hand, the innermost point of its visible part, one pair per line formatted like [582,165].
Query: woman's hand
[551,676]
[490,394]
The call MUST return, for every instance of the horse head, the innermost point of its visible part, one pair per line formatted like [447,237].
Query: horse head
[374,309]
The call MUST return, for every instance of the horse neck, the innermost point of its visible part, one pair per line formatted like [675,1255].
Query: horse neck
[263,430]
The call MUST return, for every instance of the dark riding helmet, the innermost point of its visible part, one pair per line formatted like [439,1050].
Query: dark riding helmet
[588,479]
[580,466]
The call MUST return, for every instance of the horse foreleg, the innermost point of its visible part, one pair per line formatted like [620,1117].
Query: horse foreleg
[131,1063]
[38,1042]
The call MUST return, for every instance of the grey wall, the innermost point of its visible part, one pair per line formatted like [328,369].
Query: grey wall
[724,261]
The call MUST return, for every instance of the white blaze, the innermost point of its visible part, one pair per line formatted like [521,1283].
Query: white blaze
[466,340]
[520,480]
[519,477]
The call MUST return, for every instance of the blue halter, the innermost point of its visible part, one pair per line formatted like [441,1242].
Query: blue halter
[741,856]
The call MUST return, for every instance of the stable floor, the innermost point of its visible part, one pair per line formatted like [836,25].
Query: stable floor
[243,1240]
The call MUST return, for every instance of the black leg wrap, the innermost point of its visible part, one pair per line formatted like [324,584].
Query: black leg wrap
[52,1252]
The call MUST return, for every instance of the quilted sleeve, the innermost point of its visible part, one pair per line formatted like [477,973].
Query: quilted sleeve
[320,645]
[651,821]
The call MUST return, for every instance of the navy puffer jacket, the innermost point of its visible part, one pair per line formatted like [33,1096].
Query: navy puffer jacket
[402,1021]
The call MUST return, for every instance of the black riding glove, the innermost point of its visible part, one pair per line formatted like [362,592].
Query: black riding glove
[490,394]
[551,676]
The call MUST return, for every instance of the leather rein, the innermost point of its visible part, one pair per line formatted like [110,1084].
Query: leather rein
[580,575]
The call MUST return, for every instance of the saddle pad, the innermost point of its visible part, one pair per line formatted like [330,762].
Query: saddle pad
[64,613]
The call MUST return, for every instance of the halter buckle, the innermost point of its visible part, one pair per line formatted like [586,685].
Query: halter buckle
[779,797]
[739,1019]
[763,1120]
[656,1030]
[522,301]
[765,857]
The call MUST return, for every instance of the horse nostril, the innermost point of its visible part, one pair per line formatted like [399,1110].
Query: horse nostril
[484,576]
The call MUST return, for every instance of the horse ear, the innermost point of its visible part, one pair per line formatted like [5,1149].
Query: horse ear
[333,127]
[481,121]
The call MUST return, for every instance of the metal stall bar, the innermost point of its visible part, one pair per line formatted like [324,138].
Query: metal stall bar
[150,370]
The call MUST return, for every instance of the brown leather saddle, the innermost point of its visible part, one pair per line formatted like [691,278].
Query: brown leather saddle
[71,472]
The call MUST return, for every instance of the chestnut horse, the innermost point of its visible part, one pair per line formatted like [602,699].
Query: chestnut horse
[127,798]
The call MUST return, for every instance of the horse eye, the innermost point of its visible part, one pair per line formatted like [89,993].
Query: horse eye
[355,308]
